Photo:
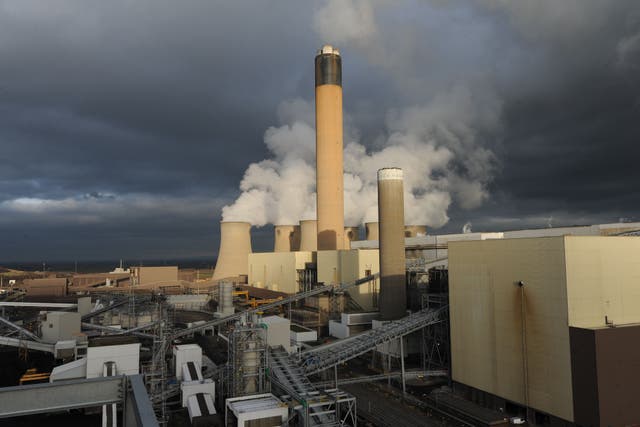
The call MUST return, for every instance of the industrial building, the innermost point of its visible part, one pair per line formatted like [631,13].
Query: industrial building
[551,322]
[401,328]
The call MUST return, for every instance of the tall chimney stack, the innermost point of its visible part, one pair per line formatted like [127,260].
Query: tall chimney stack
[235,247]
[329,173]
[309,235]
[393,293]
[286,238]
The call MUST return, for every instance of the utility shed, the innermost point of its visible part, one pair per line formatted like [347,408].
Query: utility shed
[515,307]
[60,326]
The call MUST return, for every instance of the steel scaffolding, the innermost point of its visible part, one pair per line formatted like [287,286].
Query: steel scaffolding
[247,364]
[435,340]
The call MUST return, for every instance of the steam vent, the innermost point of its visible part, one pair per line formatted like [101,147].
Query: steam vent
[393,298]
[329,178]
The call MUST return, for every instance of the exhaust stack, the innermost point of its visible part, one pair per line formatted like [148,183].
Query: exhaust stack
[235,247]
[286,238]
[393,293]
[329,170]
[371,230]
[309,235]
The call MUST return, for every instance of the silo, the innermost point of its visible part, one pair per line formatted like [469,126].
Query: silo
[286,238]
[415,230]
[371,229]
[393,300]
[351,234]
[309,235]
[235,247]
[329,156]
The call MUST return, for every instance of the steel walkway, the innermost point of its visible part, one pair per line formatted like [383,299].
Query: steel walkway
[293,298]
[319,358]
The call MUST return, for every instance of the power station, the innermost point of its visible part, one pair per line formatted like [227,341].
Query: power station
[400,328]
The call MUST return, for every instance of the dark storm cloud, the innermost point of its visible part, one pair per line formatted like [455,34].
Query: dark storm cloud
[126,126]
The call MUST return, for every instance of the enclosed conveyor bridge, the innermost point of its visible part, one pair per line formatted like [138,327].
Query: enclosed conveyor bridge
[319,358]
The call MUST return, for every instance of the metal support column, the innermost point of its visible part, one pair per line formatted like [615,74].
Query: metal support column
[404,390]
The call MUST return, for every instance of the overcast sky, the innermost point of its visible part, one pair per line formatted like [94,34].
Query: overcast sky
[126,126]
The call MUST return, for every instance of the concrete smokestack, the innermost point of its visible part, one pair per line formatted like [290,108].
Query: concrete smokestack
[309,235]
[371,229]
[286,238]
[393,293]
[414,230]
[351,234]
[235,247]
[329,173]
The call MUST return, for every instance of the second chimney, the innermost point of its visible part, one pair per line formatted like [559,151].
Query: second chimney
[393,293]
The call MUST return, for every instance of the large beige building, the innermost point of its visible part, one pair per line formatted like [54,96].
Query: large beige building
[347,266]
[528,315]
[280,271]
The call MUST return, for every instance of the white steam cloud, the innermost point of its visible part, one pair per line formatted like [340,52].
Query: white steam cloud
[435,145]
[436,142]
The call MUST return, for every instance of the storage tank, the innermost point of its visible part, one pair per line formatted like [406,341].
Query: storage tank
[235,247]
[415,230]
[393,300]
[329,155]
[351,234]
[309,235]
[371,229]
[286,238]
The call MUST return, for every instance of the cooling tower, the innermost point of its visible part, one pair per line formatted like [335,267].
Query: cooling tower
[286,238]
[414,230]
[393,297]
[235,247]
[309,235]
[329,173]
[371,230]
[351,234]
